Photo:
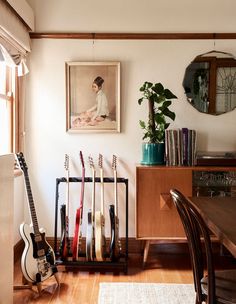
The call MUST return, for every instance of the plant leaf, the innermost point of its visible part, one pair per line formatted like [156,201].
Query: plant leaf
[168,94]
[160,119]
[142,124]
[158,88]
[169,113]
[140,101]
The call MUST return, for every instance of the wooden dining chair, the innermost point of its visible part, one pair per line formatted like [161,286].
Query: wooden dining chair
[215,286]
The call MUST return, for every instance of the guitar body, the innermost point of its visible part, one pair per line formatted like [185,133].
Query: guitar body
[75,244]
[100,241]
[115,246]
[63,228]
[66,241]
[90,238]
[36,267]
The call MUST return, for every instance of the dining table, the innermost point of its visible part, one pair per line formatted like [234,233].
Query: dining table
[219,214]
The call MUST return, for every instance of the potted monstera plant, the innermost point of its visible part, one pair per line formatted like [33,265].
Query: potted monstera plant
[159,99]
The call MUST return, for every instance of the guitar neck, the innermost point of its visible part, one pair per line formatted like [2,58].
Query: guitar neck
[115,192]
[31,205]
[67,193]
[82,191]
[93,193]
[102,190]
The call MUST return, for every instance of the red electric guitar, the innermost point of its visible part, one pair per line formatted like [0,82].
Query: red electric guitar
[77,240]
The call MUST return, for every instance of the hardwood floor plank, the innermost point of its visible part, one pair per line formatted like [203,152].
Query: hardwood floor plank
[81,287]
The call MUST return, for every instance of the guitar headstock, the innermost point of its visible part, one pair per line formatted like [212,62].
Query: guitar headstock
[21,162]
[114,162]
[91,163]
[100,161]
[66,162]
[81,158]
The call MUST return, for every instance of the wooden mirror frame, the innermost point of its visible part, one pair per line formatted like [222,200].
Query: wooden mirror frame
[213,61]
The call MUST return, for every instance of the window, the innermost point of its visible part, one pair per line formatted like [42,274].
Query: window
[8,109]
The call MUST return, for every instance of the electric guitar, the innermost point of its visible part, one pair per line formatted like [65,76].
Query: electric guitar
[100,241]
[115,245]
[77,240]
[38,258]
[90,227]
[65,242]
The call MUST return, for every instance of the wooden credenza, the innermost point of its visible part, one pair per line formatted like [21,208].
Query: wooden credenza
[156,217]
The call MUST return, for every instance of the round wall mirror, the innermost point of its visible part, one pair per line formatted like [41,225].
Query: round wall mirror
[210,82]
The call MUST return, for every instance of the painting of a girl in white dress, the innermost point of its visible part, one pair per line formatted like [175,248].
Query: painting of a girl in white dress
[93,106]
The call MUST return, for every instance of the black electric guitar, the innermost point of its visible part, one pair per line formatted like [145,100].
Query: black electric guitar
[115,244]
[65,242]
[77,239]
[100,241]
[38,258]
[90,250]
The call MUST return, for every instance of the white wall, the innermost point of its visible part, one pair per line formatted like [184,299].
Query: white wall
[156,60]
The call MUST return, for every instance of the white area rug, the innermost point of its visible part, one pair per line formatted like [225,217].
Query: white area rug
[146,293]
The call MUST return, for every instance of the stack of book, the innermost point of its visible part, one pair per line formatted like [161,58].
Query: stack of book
[180,147]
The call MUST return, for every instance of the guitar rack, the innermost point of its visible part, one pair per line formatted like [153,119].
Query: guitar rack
[122,263]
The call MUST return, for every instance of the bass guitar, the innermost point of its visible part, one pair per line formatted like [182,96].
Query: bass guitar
[115,244]
[38,258]
[100,241]
[65,241]
[77,240]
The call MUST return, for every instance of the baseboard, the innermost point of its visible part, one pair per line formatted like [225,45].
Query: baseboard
[134,247]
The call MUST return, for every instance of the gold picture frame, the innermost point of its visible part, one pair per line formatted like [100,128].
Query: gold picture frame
[92,96]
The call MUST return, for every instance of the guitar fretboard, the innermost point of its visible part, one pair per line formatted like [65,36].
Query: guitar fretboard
[31,205]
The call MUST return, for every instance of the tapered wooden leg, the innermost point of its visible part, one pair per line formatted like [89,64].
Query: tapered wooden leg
[145,254]
[57,278]
[39,287]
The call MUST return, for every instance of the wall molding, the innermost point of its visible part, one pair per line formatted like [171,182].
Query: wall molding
[132,36]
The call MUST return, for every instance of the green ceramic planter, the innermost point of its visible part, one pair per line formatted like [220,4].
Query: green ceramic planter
[153,154]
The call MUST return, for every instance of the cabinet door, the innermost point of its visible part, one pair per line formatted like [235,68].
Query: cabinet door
[156,216]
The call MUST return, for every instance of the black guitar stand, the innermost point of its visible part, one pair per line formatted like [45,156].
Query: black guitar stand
[121,265]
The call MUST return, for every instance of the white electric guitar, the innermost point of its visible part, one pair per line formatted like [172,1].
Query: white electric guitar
[38,258]
[100,241]
[90,252]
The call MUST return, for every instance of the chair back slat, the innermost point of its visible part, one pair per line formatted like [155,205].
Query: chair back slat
[196,230]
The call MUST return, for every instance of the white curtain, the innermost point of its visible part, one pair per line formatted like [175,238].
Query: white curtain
[14,39]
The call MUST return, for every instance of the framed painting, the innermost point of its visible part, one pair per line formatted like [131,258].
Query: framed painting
[93,96]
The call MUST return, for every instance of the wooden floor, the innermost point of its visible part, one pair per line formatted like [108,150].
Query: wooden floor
[83,287]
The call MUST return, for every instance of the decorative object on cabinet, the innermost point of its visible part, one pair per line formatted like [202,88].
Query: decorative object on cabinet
[210,82]
[93,96]
[180,147]
[219,158]
[156,216]
[159,100]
